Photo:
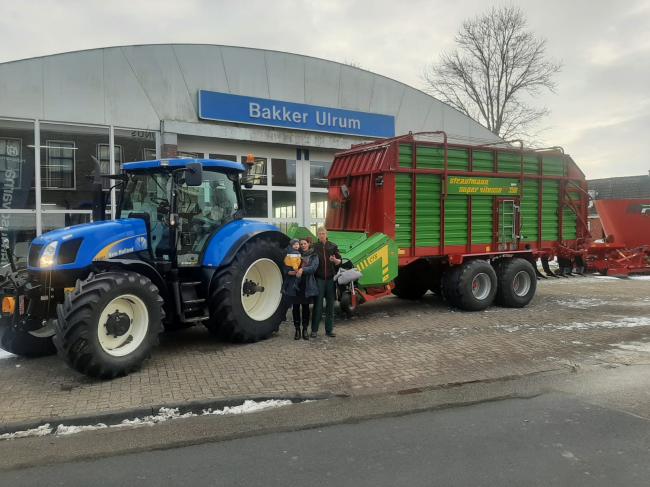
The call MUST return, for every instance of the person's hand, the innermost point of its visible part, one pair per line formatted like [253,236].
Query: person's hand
[292,273]
[299,273]
[335,260]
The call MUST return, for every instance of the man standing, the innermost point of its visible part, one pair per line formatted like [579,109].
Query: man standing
[329,259]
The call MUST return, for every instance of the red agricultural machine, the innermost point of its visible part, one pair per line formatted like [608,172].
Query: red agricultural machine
[625,248]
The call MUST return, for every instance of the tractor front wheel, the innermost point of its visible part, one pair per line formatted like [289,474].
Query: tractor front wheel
[246,302]
[15,340]
[108,325]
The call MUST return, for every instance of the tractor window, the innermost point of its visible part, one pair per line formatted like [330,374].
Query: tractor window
[201,210]
[149,194]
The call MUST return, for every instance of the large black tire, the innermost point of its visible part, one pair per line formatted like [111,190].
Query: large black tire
[412,281]
[78,329]
[471,286]
[516,282]
[19,342]
[231,318]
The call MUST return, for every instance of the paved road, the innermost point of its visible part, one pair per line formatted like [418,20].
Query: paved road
[548,440]
[391,345]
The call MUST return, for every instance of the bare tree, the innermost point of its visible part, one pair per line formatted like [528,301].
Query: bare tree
[496,65]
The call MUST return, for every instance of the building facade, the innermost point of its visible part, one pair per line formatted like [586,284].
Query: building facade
[121,104]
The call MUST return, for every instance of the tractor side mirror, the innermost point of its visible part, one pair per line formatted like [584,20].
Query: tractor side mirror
[194,174]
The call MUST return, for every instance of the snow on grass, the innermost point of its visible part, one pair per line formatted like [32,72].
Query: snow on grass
[164,414]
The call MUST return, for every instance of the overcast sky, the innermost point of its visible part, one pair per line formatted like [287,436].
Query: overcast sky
[600,113]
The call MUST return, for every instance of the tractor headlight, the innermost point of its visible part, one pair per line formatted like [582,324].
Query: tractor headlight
[48,255]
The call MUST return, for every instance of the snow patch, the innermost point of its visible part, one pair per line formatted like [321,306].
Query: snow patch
[164,414]
[42,430]
[4,354]
[634,346]
[581,303]
[640,278]
[628,322]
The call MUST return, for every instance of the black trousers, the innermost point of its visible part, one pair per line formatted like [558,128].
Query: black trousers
[296,308]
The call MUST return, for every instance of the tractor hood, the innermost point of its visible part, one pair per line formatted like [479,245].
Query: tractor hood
[78,246]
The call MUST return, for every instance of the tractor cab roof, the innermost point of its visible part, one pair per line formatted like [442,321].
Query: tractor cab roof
[208,164]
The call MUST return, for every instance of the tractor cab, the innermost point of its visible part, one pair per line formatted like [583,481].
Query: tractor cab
[183,203]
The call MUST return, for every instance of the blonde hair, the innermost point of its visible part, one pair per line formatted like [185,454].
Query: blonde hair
[321,229]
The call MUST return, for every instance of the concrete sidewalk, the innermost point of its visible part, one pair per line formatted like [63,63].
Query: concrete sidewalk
[392,345]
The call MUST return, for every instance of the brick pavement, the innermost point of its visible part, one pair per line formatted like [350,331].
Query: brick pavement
[391,345]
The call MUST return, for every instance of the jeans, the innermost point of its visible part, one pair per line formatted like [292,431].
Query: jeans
[325,290]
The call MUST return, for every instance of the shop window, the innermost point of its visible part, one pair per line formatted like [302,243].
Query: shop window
[259,169]
[59,167]
[17,165]
[318,173]
[189,155]
[283,172]
[67,153]
[255,203]
[284,204]
[148,154]
[11,160]
[225,157]
[104,158]
[318,206]
[19,229]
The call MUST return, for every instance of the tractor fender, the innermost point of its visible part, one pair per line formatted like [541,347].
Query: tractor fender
[226,242]
[139,266]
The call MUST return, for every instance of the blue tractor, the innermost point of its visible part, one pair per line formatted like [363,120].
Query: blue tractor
[179,253]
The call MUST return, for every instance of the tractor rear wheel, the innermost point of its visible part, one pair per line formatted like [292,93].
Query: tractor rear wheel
[108,325]
[517,282]
[246,302]
[471,286]
[19,342]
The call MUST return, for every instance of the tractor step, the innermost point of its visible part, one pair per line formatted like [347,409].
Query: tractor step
[194,319]
[194,301]
[191,283]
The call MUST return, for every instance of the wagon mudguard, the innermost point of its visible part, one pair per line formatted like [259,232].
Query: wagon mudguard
[98,241]
[225,244]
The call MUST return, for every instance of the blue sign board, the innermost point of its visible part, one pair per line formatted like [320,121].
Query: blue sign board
[274,113]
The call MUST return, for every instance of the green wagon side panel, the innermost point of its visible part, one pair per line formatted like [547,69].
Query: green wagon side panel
[403,209]
[482,219]
[406,155]
[434,158]
[456,220]
[346,240]
[550,209]
[570,222]
[428,188]
[554,166]
[375,256]
[483,161]
[531,164]
[509,162]
[529,211]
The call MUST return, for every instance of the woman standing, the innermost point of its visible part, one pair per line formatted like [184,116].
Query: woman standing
[300,287]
